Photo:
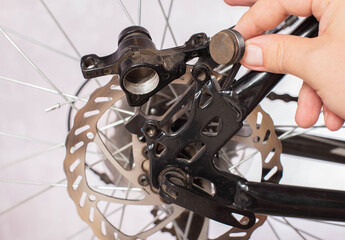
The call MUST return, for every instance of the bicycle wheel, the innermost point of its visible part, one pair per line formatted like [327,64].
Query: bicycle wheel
[40,135]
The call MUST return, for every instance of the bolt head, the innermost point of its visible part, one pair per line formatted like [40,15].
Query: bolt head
[143,180]
[150,130]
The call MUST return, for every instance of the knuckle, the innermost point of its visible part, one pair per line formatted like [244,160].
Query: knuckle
[276,61]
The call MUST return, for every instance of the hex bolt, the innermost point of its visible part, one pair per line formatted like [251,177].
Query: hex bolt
[150,130]
[200,72]
[143,180]
[200,75]
[145,151]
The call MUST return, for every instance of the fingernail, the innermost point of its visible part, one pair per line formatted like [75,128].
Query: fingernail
[253,56]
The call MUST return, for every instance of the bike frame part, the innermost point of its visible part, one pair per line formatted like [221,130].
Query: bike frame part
[264,198]
[291,201]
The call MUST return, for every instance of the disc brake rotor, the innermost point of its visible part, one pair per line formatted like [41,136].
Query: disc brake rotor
[133,168]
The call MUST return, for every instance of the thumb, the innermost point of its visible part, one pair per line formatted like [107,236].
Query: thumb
[279,54]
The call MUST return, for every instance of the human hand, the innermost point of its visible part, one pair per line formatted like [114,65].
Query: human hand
[319,61]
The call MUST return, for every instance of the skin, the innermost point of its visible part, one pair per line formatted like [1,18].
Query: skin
[320,61]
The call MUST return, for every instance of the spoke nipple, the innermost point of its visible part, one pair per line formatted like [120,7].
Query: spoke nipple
[54,107]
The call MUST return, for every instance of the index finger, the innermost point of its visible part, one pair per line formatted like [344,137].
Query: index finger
[267,14]
[240,2]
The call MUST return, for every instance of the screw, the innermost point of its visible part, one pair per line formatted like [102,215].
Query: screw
[143,180]
[150,130]
[201,76]
[145,152]
[200,72]
[153,111]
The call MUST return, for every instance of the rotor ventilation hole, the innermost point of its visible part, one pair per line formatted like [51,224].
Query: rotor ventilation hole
[74,165]
[81,129]
[267,135]
[258,120]
[90,113]
[237,235]
[92,198]
[77,182]
[102,99]
[91,214]
[90,135]
[256,139]
[82,199]
[271,173]
[141,80]
[270,155]
[76,147]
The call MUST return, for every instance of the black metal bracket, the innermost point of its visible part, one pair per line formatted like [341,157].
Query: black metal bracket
[182,158]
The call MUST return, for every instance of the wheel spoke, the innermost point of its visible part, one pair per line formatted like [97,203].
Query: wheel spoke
[273,229]
[118,150]
[87,227]
[64,185]
[167,24]
[139,12]
[25,138]
[151,222]
[38,43]
[329,223]
[30,198]
[35,67]
[296,229]
[188,224]
[126,12]
[243,160]
[52,148]
[60,27]
[41,88]
[64,94]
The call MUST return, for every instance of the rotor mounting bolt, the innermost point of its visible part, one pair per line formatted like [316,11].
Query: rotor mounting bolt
[227,47]
[143,180]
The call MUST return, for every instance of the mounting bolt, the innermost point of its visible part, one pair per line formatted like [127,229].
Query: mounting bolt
[150,130]
[143,180]
[200,72]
